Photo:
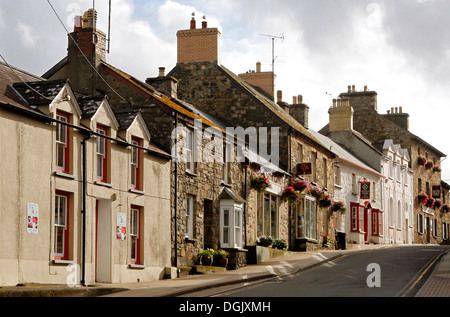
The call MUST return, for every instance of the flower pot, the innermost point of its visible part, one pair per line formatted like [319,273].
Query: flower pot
[206,261]
[222,262]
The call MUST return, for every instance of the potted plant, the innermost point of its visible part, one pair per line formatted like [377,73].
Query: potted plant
[279,244]
[300,185]
[206,257]
[260,183]
[326,240]
[421,160]
[423,198]
[324,200]
[430,202]
[338,206]
[265,241]
[290,194]
[221,257]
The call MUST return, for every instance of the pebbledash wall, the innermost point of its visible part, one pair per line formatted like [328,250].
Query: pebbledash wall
[32,185]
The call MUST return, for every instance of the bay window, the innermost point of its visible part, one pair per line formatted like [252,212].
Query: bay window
[231,229]
[377,222]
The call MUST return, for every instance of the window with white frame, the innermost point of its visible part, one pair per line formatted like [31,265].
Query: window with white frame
[420,223]
[61,226]
[231,229]
[101,154]
[189,219]
[357,217]
[136,164]
[189,150]
[62,142]
[337,175]
[135,235]
[434,227]
[307,218]
[268,221]
[377,222]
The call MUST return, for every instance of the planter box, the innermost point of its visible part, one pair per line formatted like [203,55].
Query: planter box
[258,254]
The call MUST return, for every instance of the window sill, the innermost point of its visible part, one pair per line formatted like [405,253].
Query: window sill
[136,266]
[190,240]
[103,184]
[63,262]
[337,186]
[65,175]
[189,173]
[136,191]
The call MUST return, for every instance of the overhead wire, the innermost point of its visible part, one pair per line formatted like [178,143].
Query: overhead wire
[21,80]
[90,64]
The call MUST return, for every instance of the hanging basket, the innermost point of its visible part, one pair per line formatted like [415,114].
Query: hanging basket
[290,194]
[339,206]
[421,160]
[423,198]
[260,183]
[429,165]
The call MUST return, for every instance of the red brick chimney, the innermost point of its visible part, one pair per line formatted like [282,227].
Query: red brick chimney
[90,40]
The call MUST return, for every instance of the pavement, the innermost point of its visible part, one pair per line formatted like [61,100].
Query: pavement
[437,283]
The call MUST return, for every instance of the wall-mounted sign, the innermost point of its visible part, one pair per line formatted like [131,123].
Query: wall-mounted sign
[304,169]
[436,191]
[365,190]
[32,218]
[121,226]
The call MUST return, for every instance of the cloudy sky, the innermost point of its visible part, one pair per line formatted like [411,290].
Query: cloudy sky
[401,49]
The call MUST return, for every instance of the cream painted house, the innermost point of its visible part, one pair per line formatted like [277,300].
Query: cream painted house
[85,194]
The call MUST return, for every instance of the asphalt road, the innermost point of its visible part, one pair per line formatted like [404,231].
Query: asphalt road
[390,272]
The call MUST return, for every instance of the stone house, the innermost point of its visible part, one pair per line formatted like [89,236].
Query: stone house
[204,186]
[74,189]
[394,125]
[238,102]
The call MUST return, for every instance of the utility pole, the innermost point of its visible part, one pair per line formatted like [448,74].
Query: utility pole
[273,37]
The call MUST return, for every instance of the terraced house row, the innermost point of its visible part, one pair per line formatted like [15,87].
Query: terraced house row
[116,179]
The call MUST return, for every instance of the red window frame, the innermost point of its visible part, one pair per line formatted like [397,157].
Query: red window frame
[135,234]
[355,220]
[66,225]
[66,158]
[378,229]
[104,177]
[136,166]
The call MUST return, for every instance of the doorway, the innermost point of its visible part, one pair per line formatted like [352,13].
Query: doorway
[103,241]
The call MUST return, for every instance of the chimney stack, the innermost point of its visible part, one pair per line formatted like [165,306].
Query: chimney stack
[264,80]
[341,115]
[165,84]
[162,72]
[299,111]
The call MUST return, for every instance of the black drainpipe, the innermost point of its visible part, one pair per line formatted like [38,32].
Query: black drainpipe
[175,260]
[83,212]
[245,202]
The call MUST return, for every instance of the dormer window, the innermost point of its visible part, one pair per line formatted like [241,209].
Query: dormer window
[136,164]
[62,143]
[102,154]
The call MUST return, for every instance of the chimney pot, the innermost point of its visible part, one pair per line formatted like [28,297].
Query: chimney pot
[300,99]
[279,96]
[401,109]
[204,24]
[162,72]
[294,100]
[365,88]
[396,110]
[392,109]
[349,88]
[78,23]
[193,24]
[353,88]
[334,103]
[258,67]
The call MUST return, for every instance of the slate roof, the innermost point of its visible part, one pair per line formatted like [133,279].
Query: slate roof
[89,105]
[40,92]
[342,153]
[125,118]
[228,193]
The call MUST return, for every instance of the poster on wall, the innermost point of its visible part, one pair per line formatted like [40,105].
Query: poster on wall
[32,218]
[121,226]
[365,190]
